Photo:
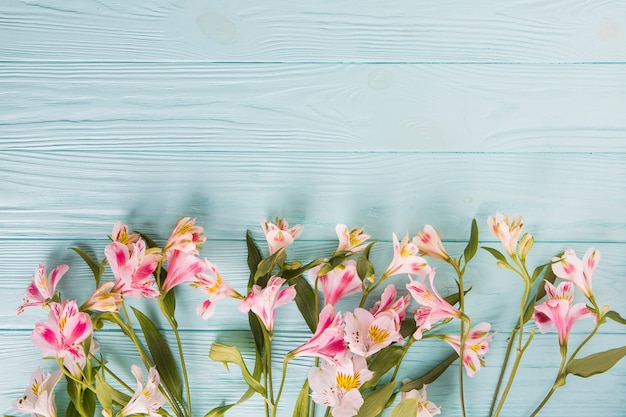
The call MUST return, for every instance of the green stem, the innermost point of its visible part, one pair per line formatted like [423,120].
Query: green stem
[518,358]
[405,349]
[111,373]
[557,382]
[282,383]
[130,332]
[459,273]
[507,355]
[367,291]
[268,365]
[182,361]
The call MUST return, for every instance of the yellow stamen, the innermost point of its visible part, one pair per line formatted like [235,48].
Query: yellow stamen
[378,335]
[348,382]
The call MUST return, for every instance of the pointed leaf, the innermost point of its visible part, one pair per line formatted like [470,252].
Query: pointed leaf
[231,354]
[149,242]
[92,263]
[453,299]
[364,268]
[301,407]
[290,274]
[496,254]
[472,245]
[107,395]
[167,303]
[220,411]
[406,407]
[615,316]
[304,300]
[161,356]
[431,375]
[256,327]
[267,265]
[408,327]
[254,257]
[538,272]
[596,363]
[541,291]
[383,362]
[374,402]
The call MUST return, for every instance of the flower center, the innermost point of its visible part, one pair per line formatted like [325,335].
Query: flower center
[378,335]
[348,382]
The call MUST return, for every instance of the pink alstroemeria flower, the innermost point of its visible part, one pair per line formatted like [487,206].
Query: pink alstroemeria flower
[429,243]
[120,234]
[104,299]
[186,237]
[425,408]
[559,311]
[42,289]
[390,306]
[476,346]
[132,268]
[211,282]
[264,301]
[146,399]
[328,340]
[182,267]
[350,239]
[62,335]
[280,235]
[38,399]
[506,230]
[340,281]
[366,334]
[405,259]
[579,272]
[336,384]
[433,307]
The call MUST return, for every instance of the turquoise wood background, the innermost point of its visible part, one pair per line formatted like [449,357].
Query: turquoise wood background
[362,112]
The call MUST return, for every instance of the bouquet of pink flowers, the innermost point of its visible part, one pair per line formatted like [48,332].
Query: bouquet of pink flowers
[358,353]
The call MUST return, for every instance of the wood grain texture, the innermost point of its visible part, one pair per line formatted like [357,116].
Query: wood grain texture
[68,194]
[484,303]
[212,383]
[323,31]
[313,107]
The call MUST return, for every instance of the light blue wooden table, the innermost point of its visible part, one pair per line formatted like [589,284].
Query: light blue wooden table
[389,116]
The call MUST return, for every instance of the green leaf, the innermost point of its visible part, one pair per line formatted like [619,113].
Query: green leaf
[71,411]
[92,263]
[267,265]
[220,411]
[231,354]
[596,363]
[364,268]
[375,402]
[431,375]
[161,356]
[301,407]
[82,403]
[408,327]
[257,329]
[107,395]
[541,291]
[383,362]
[149,242]
[304,300]
[254,257]
[496,254]
[538,272]
[472,245]
[453,299]
[406,407]
[290,274]
[168,305]
[615,316]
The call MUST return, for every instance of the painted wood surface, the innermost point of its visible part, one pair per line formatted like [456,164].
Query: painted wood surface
[366,113]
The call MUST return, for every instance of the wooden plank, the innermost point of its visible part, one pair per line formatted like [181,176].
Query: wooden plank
[323,31]
[19,260]
[274,107]
[533,381]
[565,197]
